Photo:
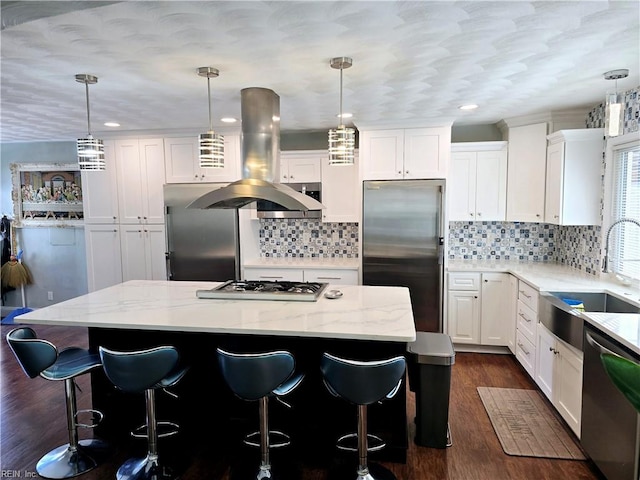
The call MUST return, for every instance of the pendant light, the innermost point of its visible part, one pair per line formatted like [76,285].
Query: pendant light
[342,139]
[614,105]
[90,150]
[211,144]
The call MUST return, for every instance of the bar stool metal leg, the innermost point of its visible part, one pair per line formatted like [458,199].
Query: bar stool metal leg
[149,467]
[75,457]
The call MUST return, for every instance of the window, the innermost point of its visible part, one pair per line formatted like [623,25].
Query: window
[624,241]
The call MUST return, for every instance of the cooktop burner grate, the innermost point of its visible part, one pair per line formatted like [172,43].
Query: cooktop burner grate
[265,290]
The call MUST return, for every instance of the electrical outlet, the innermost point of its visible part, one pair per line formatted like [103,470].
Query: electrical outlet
[49,295]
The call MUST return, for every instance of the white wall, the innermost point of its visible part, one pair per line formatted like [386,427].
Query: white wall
[55,256]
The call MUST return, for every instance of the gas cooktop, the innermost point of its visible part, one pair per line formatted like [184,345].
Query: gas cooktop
[265,290]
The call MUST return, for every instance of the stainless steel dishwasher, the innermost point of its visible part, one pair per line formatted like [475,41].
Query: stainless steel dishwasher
[610,424]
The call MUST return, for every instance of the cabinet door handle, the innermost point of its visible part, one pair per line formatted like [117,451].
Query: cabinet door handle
[406,172]
[267,276]
[523,293]
[471,214]
[399,172]
[556,216]
[329,278]
[485,280]
[538,215]
[479,214]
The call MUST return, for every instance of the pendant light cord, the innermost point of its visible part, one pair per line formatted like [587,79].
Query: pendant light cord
[340,124]
[209,96]
[86,86]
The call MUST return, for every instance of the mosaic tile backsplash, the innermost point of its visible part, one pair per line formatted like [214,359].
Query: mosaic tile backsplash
[300,238]
[578,247]
[533,242]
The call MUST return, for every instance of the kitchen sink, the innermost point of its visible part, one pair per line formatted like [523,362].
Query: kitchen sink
[564,321]
[599,302]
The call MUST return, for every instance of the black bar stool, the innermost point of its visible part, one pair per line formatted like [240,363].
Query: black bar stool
[41,357]
[258,376]
[363,383]
[145,371]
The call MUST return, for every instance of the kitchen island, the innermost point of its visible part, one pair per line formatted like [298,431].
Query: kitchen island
[367,322]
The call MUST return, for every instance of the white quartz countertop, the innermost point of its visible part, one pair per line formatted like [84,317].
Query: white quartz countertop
[624,327]
[362,313]
[328,263]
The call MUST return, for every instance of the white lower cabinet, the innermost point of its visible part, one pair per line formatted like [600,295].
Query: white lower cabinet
[478,307]
[513,309]
[559,376]
[464,316]
[274,274]
[336,276]
[526,353]
[143,252]
[117,253]
[332,276]
[104,267]
[526,326]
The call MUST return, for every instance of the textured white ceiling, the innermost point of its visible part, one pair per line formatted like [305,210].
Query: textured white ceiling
[414,62]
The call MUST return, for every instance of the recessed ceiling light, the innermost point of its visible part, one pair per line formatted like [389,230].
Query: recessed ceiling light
[111,124]
[345,115]
[229,120]
[471,106]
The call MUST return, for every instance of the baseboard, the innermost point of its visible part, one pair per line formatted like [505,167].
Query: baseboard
[463,347]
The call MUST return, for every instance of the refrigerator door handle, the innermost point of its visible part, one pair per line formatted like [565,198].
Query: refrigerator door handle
[167,257]
[440,250]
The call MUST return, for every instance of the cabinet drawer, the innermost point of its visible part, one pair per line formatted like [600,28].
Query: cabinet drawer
[527,320]
[331,276]
[274,274]
[526,353]
[528,295]
[464,281]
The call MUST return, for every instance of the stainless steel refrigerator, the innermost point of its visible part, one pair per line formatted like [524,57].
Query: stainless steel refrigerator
[202,244]
[403,242]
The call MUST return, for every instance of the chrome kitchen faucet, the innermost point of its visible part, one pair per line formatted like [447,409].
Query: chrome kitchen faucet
[605,262]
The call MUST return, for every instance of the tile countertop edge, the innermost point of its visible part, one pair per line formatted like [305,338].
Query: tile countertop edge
[547,277]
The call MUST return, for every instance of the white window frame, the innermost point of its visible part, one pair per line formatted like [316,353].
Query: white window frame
[613,144]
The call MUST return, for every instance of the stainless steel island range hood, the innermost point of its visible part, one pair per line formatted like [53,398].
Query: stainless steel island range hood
[260,160]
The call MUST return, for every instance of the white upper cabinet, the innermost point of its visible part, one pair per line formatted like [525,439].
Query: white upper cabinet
[99,198]
[300,167]
[574,176]
[183,165]
[341,193]
[526,173]
[478,181]
[140,168]
[411,153]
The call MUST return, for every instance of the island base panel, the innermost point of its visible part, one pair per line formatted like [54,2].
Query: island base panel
[212,418]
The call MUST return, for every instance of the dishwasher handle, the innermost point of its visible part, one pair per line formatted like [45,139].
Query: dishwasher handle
[601,349]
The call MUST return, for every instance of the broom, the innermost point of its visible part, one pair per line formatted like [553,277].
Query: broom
[14,273]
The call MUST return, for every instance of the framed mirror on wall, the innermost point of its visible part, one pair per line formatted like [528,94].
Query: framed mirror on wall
[46,194]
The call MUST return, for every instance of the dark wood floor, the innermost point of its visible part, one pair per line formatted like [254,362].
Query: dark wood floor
[32,421]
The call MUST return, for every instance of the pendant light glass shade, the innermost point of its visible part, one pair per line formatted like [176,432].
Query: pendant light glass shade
[342,143]
[211,144]
[342,140]
[614,105]
[90,150]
